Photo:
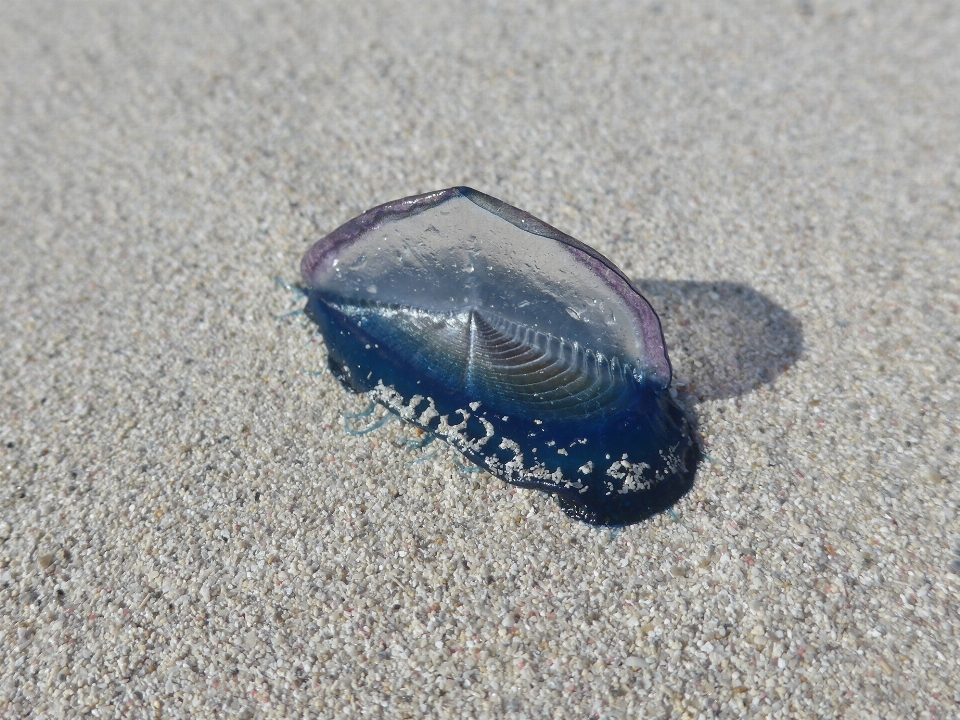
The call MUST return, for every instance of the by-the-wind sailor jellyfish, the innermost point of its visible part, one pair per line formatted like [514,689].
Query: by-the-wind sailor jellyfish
[528,351]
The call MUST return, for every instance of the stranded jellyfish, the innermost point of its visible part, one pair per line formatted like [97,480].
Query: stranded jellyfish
[528,351]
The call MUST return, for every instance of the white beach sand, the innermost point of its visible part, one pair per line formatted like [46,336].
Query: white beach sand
[186,528]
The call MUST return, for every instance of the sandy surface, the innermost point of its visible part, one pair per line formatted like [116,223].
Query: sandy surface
[186,529]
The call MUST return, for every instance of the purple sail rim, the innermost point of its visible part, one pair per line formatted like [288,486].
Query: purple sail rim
[656,361]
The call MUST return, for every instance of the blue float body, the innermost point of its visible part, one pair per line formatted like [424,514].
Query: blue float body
[568,456]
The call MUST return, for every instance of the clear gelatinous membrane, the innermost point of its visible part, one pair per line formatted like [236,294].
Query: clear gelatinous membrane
[528,351]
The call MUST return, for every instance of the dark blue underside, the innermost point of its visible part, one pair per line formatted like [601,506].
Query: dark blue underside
[654,423]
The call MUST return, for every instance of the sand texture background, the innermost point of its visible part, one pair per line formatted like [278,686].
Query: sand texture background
[187,529]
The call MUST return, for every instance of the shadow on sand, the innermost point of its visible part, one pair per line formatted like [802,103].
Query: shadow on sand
[724,338]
